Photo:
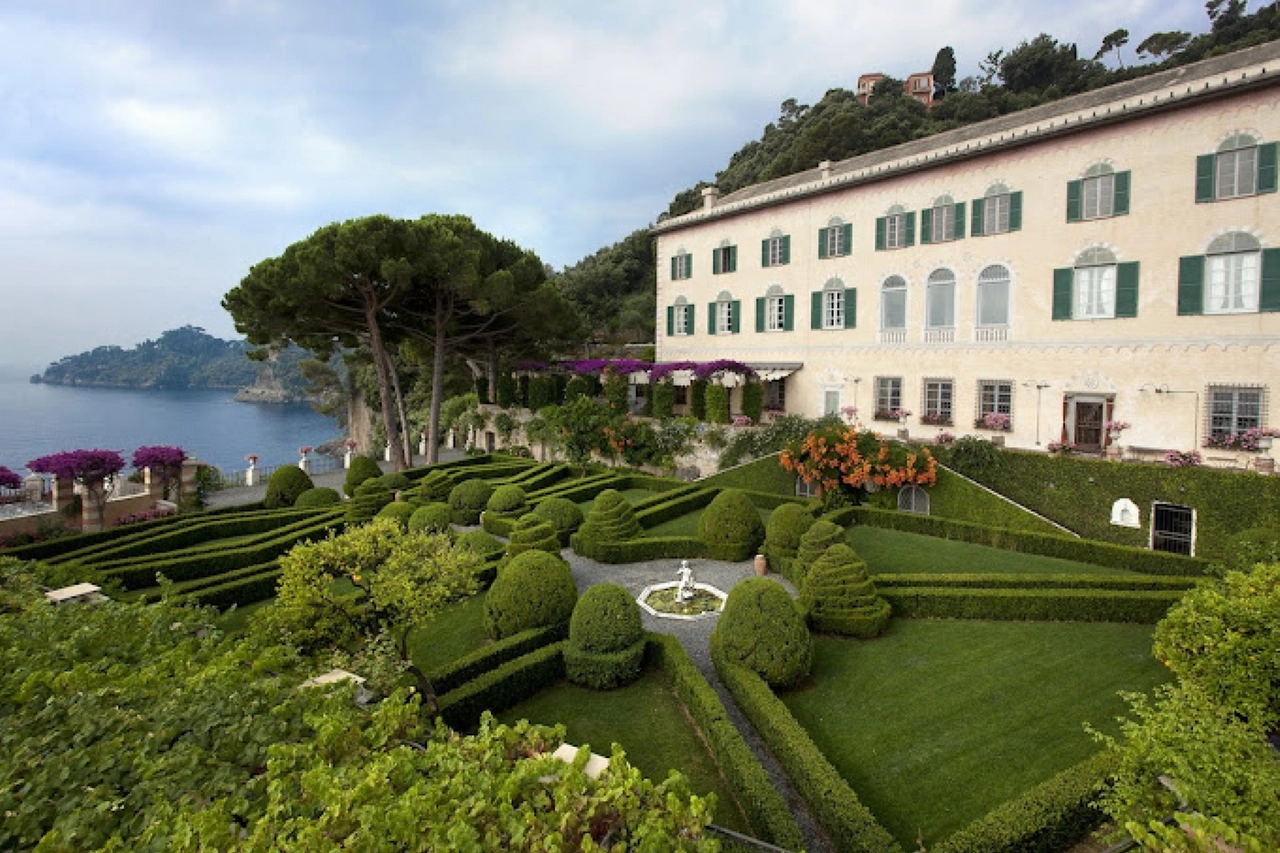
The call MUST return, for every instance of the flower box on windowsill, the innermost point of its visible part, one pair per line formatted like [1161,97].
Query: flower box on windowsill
[883,415]
[986,422]
[935,420]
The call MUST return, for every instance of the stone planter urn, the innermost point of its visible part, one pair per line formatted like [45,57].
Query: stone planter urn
[761,564]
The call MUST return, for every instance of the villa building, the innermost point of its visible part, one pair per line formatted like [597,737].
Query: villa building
[918,86]
[1113,256]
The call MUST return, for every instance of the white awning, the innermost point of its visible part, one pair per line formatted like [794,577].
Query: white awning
[774,372]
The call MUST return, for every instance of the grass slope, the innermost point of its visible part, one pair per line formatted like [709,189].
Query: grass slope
[937,722]
[455,631]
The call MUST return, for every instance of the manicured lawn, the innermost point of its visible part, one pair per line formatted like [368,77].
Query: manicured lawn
[236,620]
[649,722]
[687,525]
[895,552]
[937,722]
[455,631]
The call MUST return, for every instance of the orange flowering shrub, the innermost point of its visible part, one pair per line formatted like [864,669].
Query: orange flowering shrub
[843,459]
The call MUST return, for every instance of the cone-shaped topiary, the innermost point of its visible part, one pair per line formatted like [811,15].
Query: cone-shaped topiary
[508,498]
[839,598]
[362,468]
[398,511]
[731,526]
[611,520]
[813,544]
[762,629]
[286,484]
[564,515]
[606,639]
[432,518]
[534,590]
[468,499]
[318,497]
[532,533]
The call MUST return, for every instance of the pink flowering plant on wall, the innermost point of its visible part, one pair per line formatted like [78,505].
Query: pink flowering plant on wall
[8,479]
[1183,458]
[164,461]
[1246,440]
[93,469]
[995,420]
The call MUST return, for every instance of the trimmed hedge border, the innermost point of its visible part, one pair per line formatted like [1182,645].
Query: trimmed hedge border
[651,514]
[766,811]
[500,688]
[1144,607]
[455,675]
[851,825]
[1047,819]
[1036,581]
[639,550]
[242,591]
[580,490]
[1063,547]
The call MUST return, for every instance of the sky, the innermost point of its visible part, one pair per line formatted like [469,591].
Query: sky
[152,151]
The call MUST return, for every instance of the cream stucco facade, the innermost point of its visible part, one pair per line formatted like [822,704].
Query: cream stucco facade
[1123,265]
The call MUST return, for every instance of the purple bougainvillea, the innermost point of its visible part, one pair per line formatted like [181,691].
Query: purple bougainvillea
[88,467]
[8,479]
[708,369]
[164,461]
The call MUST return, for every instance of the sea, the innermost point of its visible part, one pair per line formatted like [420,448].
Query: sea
[36,420]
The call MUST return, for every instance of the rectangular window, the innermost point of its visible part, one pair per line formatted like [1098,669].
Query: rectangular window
[775,395]
[1233,410]
[1241,171]
[681,266]
[938,394]
[834,241]
[1097,196]
[681,395]
[943,224]
[995,396]
[724,318]
[993,301]
[724,260]
[1095,293]
[775,251]
[1236,173]
[893,308]
[888,396]
[995,214]
[775,319]
[1173,528]
[895,231]
[940,312]
[833,309]
[680,320]
[1233,283]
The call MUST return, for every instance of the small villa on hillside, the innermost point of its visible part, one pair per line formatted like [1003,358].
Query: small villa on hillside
[1111,259]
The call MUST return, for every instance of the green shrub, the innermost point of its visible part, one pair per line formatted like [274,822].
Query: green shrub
[481,542]
[286,484]
[506,391]
[1252,546]
[467,500]
[606,639]
[542,393]
[318,497]
[640,550]
[533,590]
[731,526]
[577,387]
[432,518]
[499,689]
[507,498]
[435,486]
[762,629]
[664,399]
[398,511]
[611,520]
[362,468]
[814,542]
[782,534]
[717,402]
[698,399]
[532,533]
[457,673]
[372,487]
[564,515]
[1143,607]
[394,481]
[839,598]
[753,401]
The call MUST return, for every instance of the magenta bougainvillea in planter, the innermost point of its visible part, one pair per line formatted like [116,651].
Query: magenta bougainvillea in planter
[8,479]
[164,461]
[92,469]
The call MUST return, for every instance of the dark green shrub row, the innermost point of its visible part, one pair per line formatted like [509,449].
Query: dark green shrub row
[771,500]
[766,811]
[1155,582]
[580,490]
[1047,819]
[603,670]
[541,476]
[674,504]
[844,516]
[652,483]
[639,550]
[533,533]
[662,496]
[849,823]
[179,567]
[498,523]
[242,591]
[499,689]
[1063,547]
[198,584]
[1145,607]
[454,675]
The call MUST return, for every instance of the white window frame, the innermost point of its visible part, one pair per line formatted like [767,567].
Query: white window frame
[775,313]
[1233,409]
[899,292]
[1093,292]
[834,239]
[684,267]
[888,393]
[1098,196]
[680,319]
[833,308]
[939,398]
[724,317]
[987,284]
[940,292]
[1235,172]
[943,219]
[1232,283]
[775,249]
[995,396]
[995,213]
[724,259]
[895,230]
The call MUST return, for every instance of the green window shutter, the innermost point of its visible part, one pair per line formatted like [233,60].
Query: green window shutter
[975,227]
[673,267]
[847,230]
[911,229]
[671,320]
[688,266]
[711,318]
[815,310]
[1015,211]
[1121,206]
[1267,168]
[764,252]
[788,312]
[957,222]
[733,259]
[759,313]
[715,262]
[1269,291]
[926,226]
[734,324]
[1062,281]
[786,249]
[688,320]
[822,244]
[880,234]
[851,307]
[1073,200]
[1191,284]
[1127,289]
[1204,178]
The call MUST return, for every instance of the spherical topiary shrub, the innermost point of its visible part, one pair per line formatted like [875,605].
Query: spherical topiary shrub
[394,481]
[564,515]
[285,485]
[606,639]
[813,544]
[782,534]
[398,511]
[532,533]
[762,629]
[468,499]
[320,496]
[432,518]
[362,468]
[839,598]
[731,526]
[611,519]
[508,498]
[534,590]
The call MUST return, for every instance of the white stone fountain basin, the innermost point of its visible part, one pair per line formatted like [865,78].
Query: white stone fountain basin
[719,594]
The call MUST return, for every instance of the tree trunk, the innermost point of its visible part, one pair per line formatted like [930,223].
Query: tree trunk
[405,438]
[382,369]
[491,370]
[437,381]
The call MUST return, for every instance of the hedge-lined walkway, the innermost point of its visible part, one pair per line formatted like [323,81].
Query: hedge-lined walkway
[695,636]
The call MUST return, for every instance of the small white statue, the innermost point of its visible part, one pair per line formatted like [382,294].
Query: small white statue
[685,592]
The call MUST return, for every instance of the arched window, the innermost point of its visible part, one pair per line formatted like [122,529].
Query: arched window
[724,258]
[993,296]
[998,211]
[1236,166]
[1094,285]
[1098,191]
[1233,267]
[833,305]
[835,241]
[774,317]
[913,499]
[940,223]
[894,228]
[776,249]
[681,319]
[893,303]
[725,310]
[940,300]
